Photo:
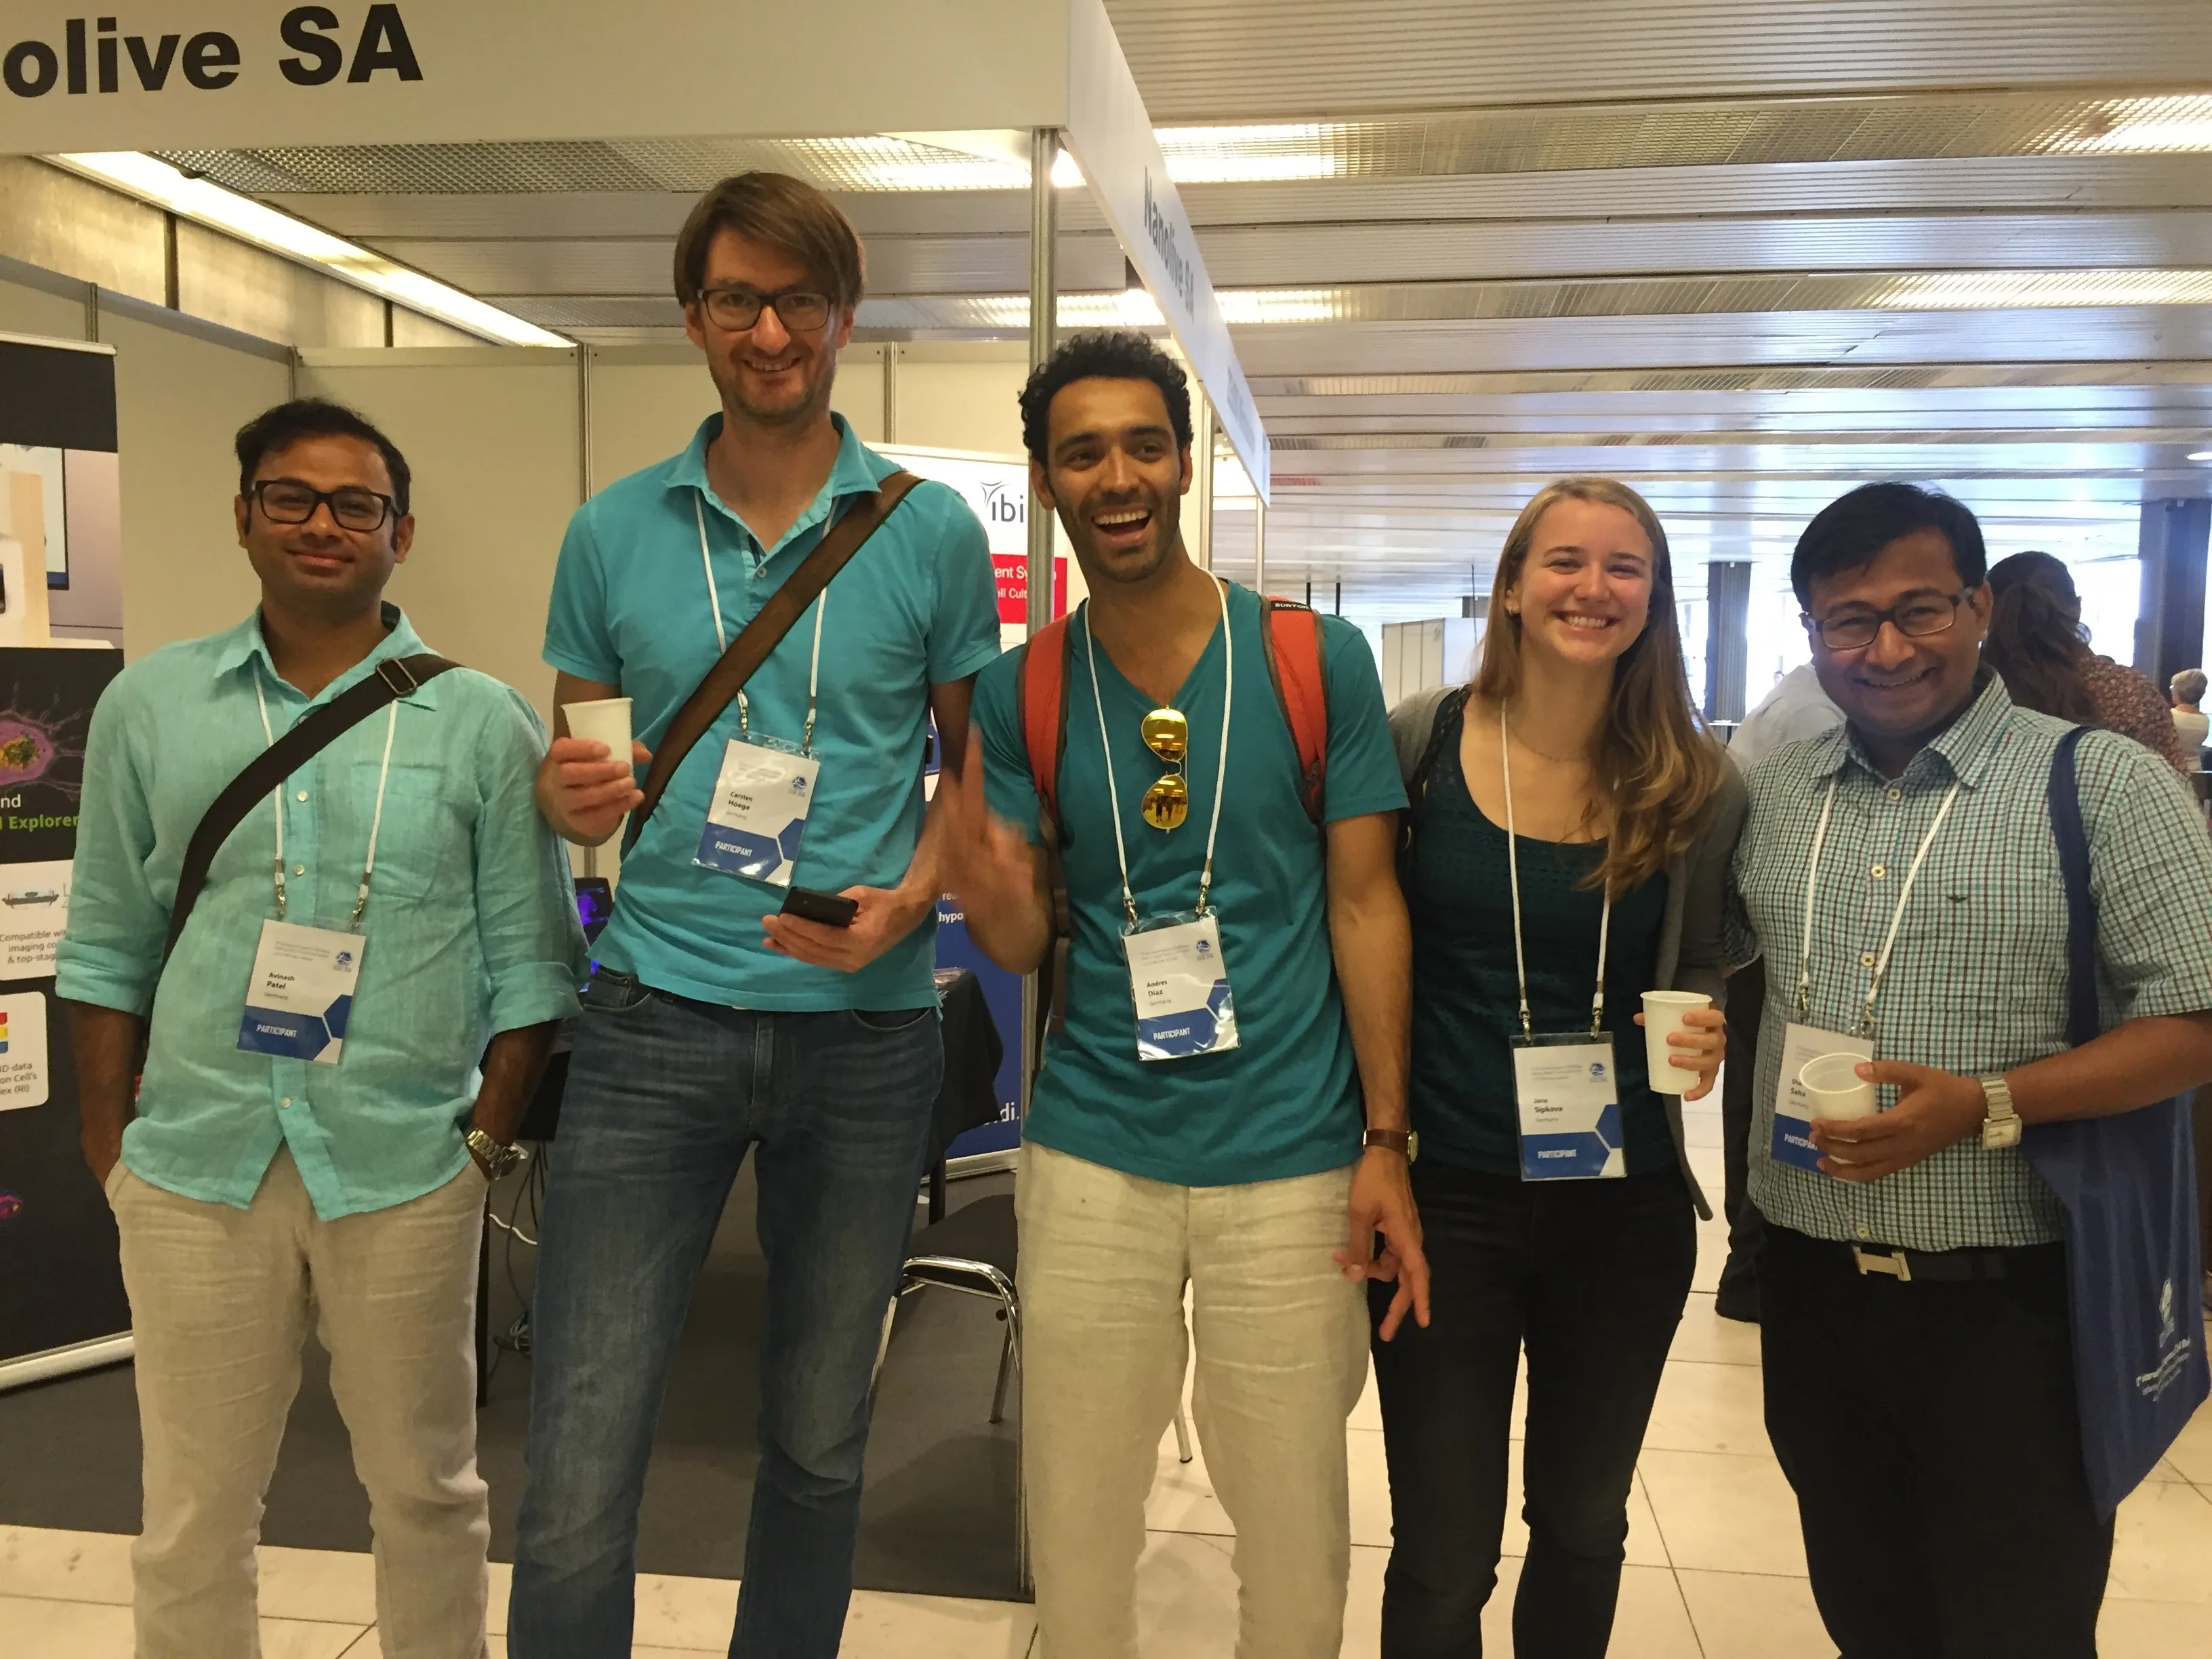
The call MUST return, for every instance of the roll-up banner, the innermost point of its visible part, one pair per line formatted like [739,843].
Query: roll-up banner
[62,1305]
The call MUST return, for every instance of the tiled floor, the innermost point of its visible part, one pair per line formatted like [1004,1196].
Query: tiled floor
[1715,1569]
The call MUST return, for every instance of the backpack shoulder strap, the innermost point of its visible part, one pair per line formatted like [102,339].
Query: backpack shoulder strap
[1041,709]
[1297,667]
[2066,827]
[395,678]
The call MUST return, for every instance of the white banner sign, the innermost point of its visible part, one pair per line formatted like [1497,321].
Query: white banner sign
[1112,136]
[248,73]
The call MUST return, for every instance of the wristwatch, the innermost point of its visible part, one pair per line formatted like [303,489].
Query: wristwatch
[1398,1141]
[496,1159]
[2002,1127]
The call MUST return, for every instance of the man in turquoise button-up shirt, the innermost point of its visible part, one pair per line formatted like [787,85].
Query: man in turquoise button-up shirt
[249,1187]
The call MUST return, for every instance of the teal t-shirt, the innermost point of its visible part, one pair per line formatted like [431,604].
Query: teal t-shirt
[1467,993]
[916,606]
[1286,1101]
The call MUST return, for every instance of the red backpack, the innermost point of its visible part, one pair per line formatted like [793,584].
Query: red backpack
[1292,635]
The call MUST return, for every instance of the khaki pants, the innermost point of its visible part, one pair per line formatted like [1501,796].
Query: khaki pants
[1282,1355]
[220,1301]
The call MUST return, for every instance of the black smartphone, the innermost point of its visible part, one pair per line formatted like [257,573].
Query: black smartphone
[827,908]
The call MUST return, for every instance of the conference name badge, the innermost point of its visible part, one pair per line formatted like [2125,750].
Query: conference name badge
[1793,1108]
[761,798]
[301,993]
[1569,1098]
[1180,988]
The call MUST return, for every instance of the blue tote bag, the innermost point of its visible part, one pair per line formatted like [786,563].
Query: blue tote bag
[2129,1185]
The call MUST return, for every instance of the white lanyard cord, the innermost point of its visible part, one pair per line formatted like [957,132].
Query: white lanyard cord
[375,823]
[1221,772]
[1513,868]
[1896,920]
[723,640]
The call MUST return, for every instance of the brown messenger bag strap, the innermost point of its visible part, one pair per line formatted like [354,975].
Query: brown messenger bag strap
[759,638]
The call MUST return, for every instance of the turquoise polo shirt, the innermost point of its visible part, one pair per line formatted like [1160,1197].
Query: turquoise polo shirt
[1286,1101]
[470,927]
[916,606]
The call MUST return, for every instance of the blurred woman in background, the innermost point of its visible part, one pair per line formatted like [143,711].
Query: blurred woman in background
[2190,724]
[2037,641]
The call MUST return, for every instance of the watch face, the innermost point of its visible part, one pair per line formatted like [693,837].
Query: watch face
[2000,1135]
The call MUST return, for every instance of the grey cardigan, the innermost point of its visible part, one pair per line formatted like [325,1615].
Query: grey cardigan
[1697,887]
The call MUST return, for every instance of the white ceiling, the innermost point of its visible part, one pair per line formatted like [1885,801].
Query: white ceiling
[1713,246]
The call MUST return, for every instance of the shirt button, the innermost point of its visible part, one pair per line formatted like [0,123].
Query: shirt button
[1897,794]
[1866,958]
[286,1101]
[1865,1232]
[303,794]
[299,869]
[1879,872]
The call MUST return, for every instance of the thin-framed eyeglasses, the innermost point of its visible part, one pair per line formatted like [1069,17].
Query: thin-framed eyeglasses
[738,309]
[1915,617]
[287,500]
[1167,803]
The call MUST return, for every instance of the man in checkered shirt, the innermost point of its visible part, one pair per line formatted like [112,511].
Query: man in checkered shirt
[1913,1297]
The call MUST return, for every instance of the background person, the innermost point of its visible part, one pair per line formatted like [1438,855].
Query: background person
[2191,727]
[714,1025]
[1921,1261]
[255,1191]
[1237,1173]
[2037,641]
[1626,815]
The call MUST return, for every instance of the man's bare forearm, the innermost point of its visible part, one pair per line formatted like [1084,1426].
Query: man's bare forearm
[1372,941]
[512,1069]
[2132,1065]
[106,1044]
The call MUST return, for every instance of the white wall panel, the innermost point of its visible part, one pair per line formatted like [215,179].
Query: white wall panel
[33,310]
[491,436]
[179,401]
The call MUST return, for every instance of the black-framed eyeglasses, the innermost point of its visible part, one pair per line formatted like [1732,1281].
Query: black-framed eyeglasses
[1915,618]
[287,500]
[739,309]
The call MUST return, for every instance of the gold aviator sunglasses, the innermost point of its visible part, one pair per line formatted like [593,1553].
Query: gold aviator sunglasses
[1167,803]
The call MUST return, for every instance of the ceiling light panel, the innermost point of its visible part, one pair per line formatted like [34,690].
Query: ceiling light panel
[2141,126]
[208,204]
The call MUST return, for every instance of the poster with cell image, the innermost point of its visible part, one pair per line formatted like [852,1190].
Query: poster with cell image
[62,1305]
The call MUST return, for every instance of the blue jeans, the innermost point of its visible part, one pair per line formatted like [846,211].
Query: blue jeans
[665,1097]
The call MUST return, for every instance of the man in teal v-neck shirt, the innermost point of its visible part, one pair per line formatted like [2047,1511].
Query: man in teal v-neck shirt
[1237,1171]
[716,1027]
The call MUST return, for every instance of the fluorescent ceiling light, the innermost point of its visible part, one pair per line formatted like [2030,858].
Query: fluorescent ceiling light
[2202,455]
[1252,155]
[208,204]
[1976,290]
[2139,126]
[1136,308]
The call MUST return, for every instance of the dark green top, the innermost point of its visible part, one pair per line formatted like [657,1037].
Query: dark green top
[1467,996]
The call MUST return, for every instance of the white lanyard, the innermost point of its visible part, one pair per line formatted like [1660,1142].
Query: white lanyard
[1221,773]
[1513,868]
[1904,897]
[375,825]
[723,640]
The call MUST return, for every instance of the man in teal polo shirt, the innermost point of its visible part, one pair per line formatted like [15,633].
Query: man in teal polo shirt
[714,1025]
[1231,1163]
[255,1190]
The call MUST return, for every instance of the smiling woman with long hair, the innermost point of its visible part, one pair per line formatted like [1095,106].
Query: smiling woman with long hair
[1568,840]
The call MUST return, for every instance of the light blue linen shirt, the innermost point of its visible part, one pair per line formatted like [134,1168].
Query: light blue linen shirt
[470,927]
[916,607]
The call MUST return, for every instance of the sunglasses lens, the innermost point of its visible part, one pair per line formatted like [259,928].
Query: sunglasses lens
[1167,803]
[1167,734]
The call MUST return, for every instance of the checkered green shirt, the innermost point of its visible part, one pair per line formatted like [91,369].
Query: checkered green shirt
[1977,983]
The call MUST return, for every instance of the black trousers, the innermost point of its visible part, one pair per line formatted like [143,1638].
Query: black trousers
[1929,1431]
[1590,1276]
[1747,1002]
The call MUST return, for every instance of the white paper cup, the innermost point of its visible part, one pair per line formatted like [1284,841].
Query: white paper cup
[1662,1017]
[607,721]
[1833,1083]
